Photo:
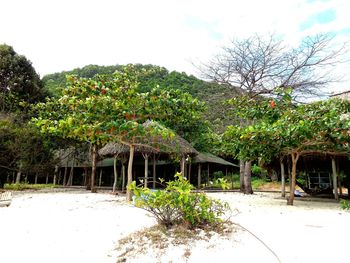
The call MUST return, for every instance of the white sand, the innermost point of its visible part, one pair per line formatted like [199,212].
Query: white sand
[78,226]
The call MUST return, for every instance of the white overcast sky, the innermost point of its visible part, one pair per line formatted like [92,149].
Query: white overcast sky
[59,35]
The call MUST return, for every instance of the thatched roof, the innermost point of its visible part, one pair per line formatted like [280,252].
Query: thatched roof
[210,158]
[176,145]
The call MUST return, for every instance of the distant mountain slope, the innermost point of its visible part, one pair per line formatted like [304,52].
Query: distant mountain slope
[213,94]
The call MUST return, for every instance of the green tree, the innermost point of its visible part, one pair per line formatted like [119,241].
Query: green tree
[113,108]
[315,128]
[18,80]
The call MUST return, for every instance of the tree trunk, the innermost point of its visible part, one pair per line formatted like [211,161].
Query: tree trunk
[248,178]
[295,157]
[241,175]
[183,165]
[154,172]
[131,159]
[65,176]
[36,178]
[93,169]
[199,175]
[18,177]
[100,177]
[335,176]
[283,180]
[47,179]
[115,174]
[123,177]
[55,174]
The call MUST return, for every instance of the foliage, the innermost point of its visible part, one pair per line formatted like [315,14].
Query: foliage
[22,147]
[18,81]
[114,108]
[222,183]
[345,204]
[25,186]
[176,204]
[150,77]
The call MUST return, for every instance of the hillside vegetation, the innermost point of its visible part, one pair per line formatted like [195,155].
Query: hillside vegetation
[211,93]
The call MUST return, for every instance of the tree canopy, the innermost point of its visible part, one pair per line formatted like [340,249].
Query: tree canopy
[18,80]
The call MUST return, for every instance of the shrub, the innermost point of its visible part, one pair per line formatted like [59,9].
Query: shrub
[344,204]
[176,204]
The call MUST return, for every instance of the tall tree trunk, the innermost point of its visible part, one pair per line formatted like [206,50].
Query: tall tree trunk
[36,178]
[18,177]
[64,183]
[199,175]
[123,177]
[335,176]
[154,172]
[93,169]
[55,174]
[295,157]
[283,180]
[131,159]
[115,174]
[241,175]
[47,179]
[248,178]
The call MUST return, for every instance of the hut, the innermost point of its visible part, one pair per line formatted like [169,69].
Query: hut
[213,163]
[158,148]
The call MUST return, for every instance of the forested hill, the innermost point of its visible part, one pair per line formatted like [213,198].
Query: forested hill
[212,93]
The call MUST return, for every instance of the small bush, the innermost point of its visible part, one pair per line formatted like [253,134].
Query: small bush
[25,186]
[176,204]
[344,204]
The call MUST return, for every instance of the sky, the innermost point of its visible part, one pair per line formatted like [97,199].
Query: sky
[57,35]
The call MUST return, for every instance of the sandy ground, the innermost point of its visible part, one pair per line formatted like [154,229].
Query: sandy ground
[77,226]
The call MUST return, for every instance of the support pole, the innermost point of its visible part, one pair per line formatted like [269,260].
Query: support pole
[199,175]
[115,174]
[154,172]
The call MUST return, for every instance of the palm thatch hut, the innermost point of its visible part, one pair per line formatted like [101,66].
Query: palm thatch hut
[157,148]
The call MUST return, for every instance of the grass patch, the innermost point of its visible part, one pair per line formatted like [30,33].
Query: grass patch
[157,239]
[25,186]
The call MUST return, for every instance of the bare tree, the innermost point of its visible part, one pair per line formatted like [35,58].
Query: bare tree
[261,65]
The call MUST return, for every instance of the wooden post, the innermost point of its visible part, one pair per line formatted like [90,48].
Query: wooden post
[207,181]
[146,170]
[154,172]
[189,172]
[199,175]
[335,176]
[283,180]
[115,174]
